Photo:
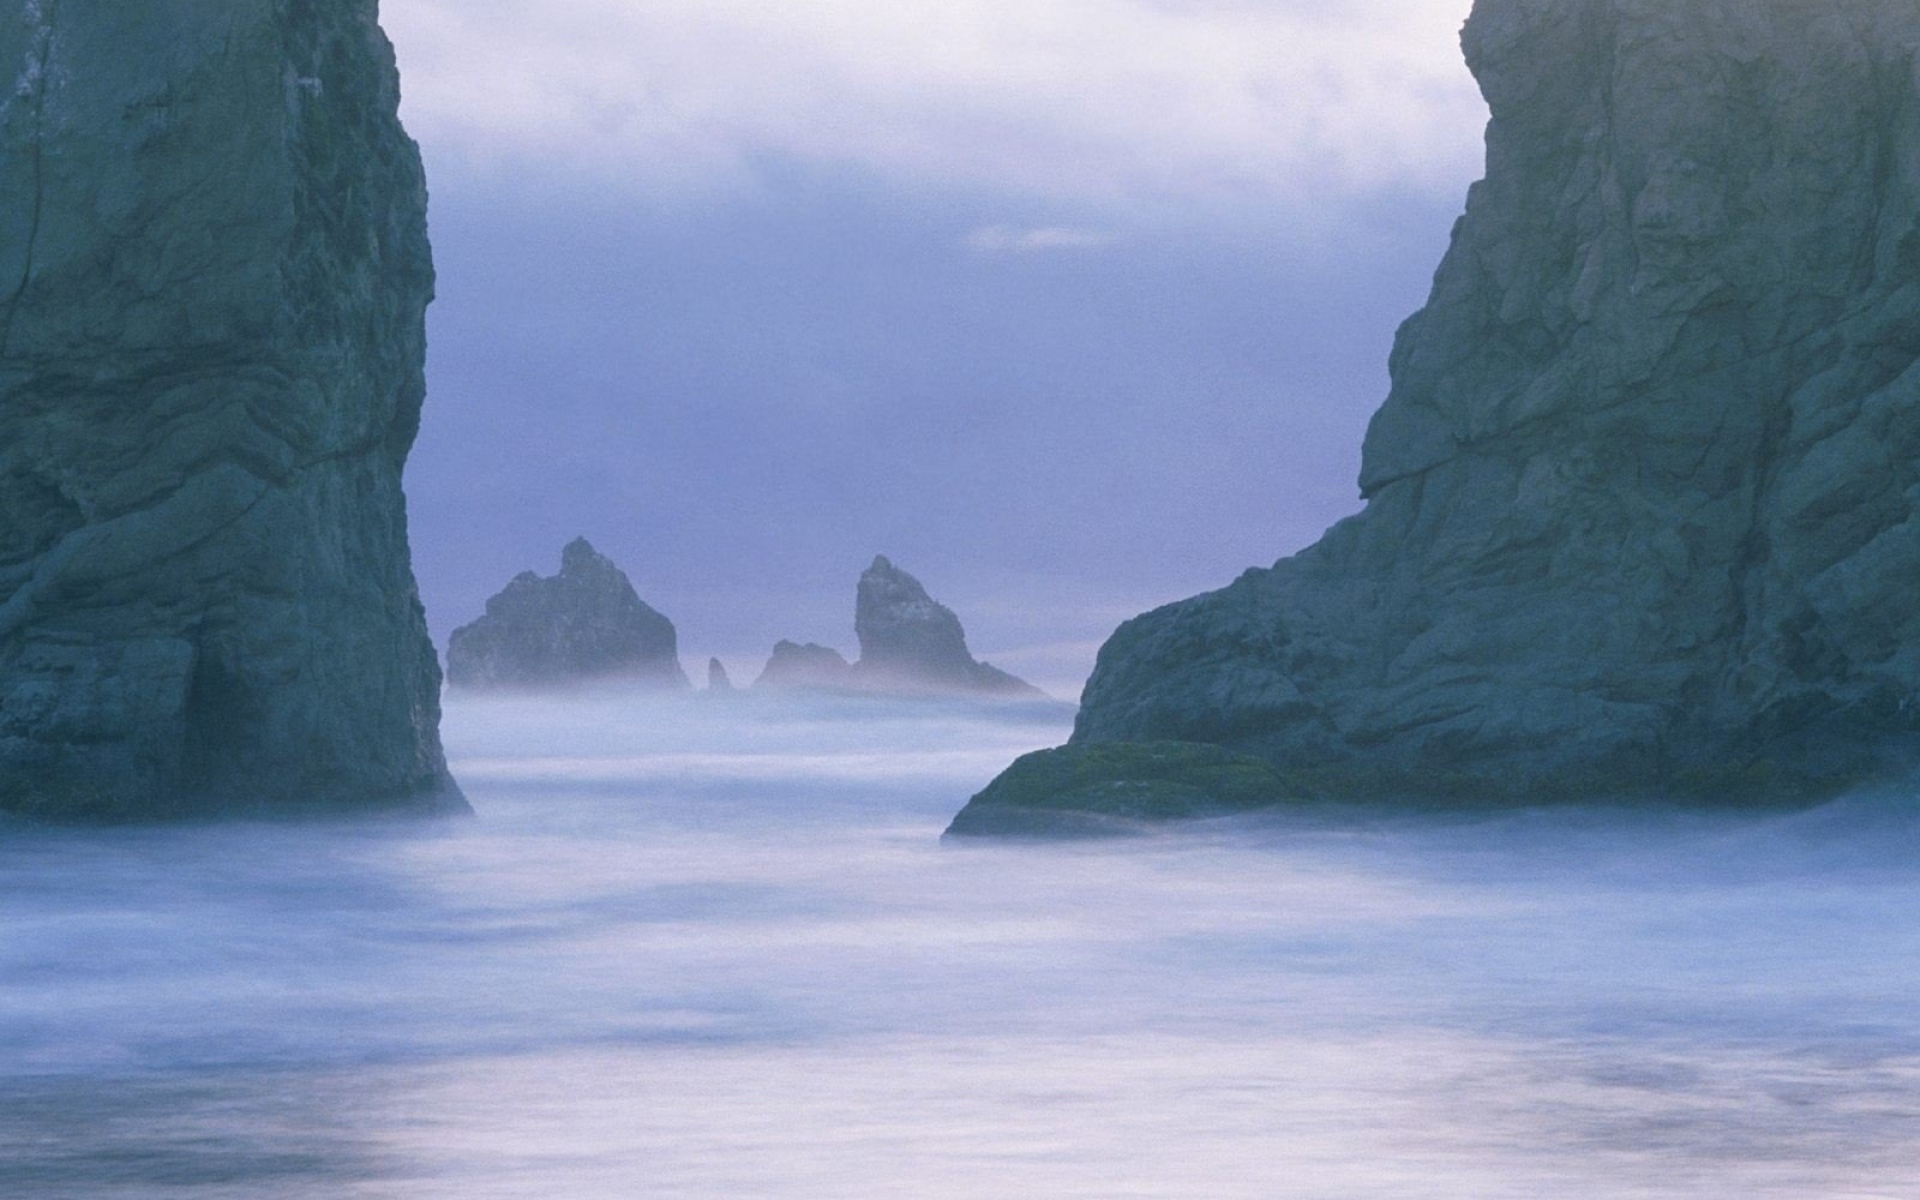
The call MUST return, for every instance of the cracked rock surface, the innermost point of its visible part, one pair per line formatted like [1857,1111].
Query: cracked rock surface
[1641,514]
[213,275]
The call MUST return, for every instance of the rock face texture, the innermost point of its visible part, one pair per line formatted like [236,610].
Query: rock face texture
[809,667]
[1642,500]
[584,625]
[910,642]
[213,274]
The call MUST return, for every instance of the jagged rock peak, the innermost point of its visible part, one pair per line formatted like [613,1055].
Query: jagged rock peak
[717,678]
[1644,499]
[903,629]
[214,272]
[910,641]
[584,625]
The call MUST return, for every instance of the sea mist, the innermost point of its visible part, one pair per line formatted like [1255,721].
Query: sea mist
[714,947]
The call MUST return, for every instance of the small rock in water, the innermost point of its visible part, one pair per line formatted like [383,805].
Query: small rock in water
[717,678]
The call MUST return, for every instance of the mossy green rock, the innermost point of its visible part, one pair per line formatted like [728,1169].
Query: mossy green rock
[1103,787]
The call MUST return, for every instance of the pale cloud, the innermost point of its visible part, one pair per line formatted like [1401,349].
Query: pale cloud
[1002,239]
[1115,104]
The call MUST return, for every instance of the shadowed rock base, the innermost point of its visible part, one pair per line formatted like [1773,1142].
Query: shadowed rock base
[1101,789]
[1110,788]
[115,809]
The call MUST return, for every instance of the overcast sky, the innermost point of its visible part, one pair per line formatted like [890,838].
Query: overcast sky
[1072,307]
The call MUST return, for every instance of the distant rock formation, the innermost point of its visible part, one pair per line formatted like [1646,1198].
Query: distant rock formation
[910,642]
[811,667]
[584,625]
[213,275]
[717,678]
[1644,502]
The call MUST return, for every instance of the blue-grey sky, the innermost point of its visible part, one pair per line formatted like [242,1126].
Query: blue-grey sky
[1072,307]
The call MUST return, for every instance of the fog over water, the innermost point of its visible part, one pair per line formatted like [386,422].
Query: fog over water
[717,948]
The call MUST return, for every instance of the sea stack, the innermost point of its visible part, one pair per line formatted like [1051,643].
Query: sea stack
[910,642]
[584,625]
[910,645]
[717,678]
[213,276]
[1641,518]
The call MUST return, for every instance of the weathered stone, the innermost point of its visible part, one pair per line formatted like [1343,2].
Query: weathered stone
[811,667]
[213,274]
[909,642]
[584,625]
[1642,501]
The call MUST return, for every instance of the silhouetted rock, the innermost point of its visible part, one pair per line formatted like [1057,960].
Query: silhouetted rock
[584,625]
[717,678]
[1644,502]
[811,667]
[910,642]
[213,275]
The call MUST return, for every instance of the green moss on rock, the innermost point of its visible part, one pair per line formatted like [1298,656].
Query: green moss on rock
[1107,787]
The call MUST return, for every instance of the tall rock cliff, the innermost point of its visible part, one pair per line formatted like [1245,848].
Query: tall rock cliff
[1642,500]
[584,625]
[213,274]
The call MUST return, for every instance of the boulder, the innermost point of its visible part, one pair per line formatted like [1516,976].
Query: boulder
[213,277]
[1643,503]
[584,625]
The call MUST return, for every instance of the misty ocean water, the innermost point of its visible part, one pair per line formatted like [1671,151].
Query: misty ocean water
[716,948]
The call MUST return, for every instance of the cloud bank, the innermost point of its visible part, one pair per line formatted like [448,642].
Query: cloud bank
[1111,105]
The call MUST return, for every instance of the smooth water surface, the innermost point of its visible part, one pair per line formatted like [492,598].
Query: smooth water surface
[716,948]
